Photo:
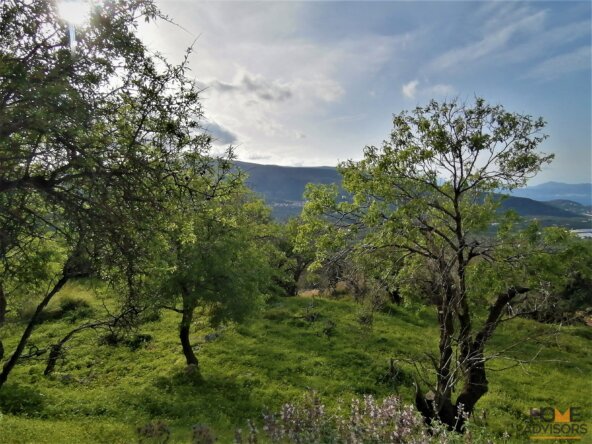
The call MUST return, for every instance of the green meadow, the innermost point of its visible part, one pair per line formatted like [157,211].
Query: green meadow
[102,393]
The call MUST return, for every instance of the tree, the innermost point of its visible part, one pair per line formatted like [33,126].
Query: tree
[92,145]
[218,257]
[293,261]
[426,200]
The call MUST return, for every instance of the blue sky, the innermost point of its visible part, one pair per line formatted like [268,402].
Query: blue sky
[312,83]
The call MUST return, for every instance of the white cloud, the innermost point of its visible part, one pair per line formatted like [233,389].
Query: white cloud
[413,90]
[554,67]
[289,91]
[492,42]
[410,89]
[544,43]
[511,33]
[269,82]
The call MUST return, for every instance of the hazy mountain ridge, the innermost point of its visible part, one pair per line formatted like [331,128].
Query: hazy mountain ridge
[282,188]
[553,191]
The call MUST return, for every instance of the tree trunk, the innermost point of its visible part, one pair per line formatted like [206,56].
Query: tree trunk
[9,365]
[395,296]
[55,351]
[475,386]
[299,270]
[3,305]
[184,329]
[472,363]
[291,289]
[442,406]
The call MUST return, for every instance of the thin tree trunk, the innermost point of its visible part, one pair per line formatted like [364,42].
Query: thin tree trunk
[3,305]
[9,365]
[55,351]
[184,330]
[395,296]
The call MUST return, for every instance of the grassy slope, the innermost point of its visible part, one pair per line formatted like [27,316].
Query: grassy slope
[100,394]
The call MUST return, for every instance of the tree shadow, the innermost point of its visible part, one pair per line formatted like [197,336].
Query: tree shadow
[188,397]
[21,400]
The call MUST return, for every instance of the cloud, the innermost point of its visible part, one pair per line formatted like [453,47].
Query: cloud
[545,42]
[511,33]
[441,90]
[554,67]
[256,86]
[273,72]
[221,135]
[501,32]
[272,77]
[257,156]
[412,90]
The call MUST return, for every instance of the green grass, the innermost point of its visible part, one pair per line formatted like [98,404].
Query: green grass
[101,393]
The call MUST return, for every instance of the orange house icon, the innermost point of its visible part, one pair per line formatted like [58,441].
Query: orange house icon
[562,417]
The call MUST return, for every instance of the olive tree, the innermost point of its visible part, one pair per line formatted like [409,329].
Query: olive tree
[426,200]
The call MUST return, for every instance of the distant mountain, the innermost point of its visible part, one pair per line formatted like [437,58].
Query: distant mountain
[285,184]
[282,188]
[529,207]
[549,191]
[571,206]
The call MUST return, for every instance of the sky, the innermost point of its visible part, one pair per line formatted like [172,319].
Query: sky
[312,83]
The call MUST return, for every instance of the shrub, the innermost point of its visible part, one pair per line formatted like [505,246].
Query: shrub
[156,432]
[73,309]
[368,421]
[202,434]
[68,304]
[366,318]
[138,340]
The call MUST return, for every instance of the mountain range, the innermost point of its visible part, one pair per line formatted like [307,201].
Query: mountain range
[552,202]
[553,191]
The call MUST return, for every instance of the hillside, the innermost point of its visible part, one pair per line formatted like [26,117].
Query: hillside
[580,193]
[529,207]
[283,184]
[101,393]
[282,188]
[571,206]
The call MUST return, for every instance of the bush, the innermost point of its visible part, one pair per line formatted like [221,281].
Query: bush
[155,432]
[572,305]
[366,318]
[68,304]
[368,421]
[73,309]
[138,340]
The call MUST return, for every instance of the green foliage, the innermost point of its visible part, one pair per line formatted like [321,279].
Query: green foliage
[102,394]
[19,400]
[219,258]
[95,145]
[419,213]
